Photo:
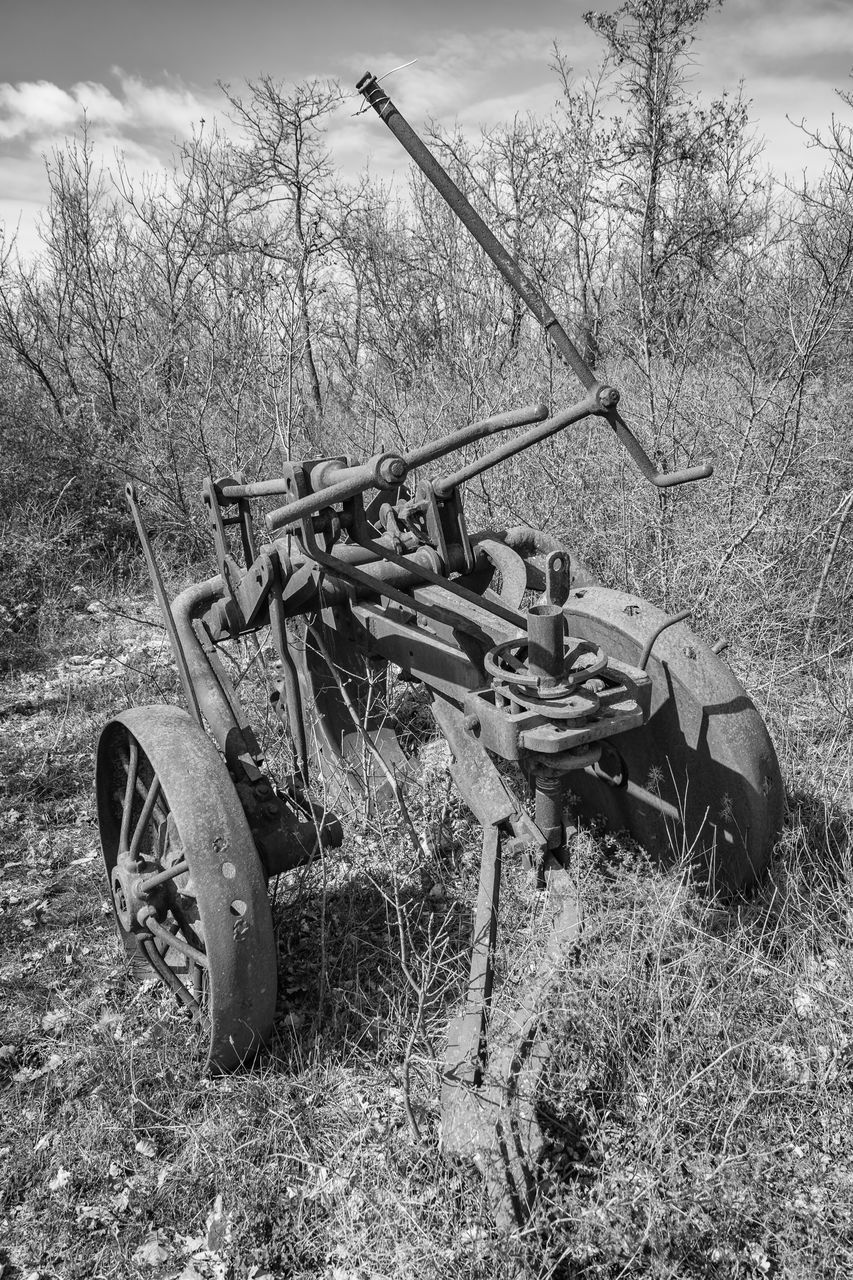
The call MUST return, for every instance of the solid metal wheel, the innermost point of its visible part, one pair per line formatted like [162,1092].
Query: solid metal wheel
[700,780]
[187,887]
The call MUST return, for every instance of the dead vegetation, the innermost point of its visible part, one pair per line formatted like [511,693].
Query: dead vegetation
[697,1106]
[699,1102]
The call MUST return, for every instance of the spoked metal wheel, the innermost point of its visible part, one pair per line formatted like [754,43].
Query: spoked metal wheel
[187,887]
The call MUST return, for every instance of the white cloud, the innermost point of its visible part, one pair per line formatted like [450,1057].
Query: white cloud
[164,108]
[454,79]
[38,110]
[35,107]
[138,119]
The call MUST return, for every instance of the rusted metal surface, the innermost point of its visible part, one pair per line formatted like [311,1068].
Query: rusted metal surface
[700,780]
[546,686]
[165,608]
[490,1119]
[180,857]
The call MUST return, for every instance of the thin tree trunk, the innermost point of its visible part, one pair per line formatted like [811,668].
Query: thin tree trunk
[846,508]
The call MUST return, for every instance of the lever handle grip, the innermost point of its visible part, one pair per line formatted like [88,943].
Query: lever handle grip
[660,479]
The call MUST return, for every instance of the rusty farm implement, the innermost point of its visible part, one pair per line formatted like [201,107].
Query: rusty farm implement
[589,695]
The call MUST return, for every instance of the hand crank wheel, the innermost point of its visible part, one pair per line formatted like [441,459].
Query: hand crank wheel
[700,779]
[187,887]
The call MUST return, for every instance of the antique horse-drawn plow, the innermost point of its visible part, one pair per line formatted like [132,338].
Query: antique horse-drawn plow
[590,693]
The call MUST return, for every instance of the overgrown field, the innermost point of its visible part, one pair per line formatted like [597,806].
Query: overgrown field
[250,308]
[699,1102]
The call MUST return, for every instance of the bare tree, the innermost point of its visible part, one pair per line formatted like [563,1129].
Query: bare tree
[288,165]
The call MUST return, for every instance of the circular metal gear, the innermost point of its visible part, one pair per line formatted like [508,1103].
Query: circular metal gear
[187,887]
[700,780]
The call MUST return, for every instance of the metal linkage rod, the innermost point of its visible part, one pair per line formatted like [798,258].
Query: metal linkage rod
[334,483]
[382,472]
[434,449]
[394,468]
[446,484]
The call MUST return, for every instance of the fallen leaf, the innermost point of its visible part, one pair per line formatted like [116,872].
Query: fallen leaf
[152,1252]
[146,1148]
[190,1272]
[79,862]
[107,1019]
[92,1216]
[27,1075]
[473,1236]
[218,1227]
[60,1179]
[121,1201]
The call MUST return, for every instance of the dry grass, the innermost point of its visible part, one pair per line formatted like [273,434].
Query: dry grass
[699,1102]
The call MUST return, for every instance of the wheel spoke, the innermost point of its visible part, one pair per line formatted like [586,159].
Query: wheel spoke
[162,877]
[145,816]
[130,789]
[177,943]
[186,926]
[172,981]
[198,983]
[161,807]
[183,878]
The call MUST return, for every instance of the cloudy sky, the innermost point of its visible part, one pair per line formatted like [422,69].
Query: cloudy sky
[146,73]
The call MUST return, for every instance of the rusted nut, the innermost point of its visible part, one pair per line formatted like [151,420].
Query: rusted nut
[607,397]
[471,724]
[392,470]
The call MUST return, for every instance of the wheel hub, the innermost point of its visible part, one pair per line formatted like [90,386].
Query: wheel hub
[126,885]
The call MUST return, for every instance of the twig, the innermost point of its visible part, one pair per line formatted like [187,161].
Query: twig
[810,662]
[846,508]
[419,988]
[370,745]
[59,734]
[111,608]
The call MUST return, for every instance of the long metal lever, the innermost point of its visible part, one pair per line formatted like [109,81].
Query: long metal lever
[163,603]
[446,484]
[518,280]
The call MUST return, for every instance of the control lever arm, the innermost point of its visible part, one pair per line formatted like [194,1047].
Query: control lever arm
[332,482]
[518,280]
